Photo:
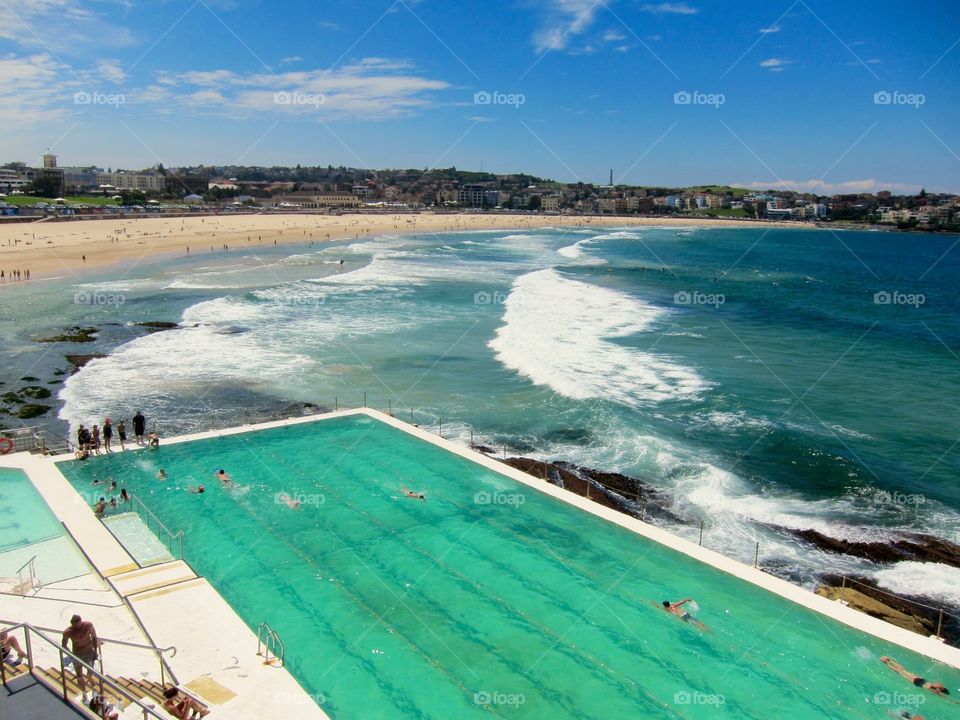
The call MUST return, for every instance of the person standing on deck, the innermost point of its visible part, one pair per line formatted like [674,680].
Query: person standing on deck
[139,425]
[85,643]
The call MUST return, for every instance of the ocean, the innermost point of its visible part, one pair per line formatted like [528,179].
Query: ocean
[762,378]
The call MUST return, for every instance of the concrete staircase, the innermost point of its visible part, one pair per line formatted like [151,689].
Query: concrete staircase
[156,577]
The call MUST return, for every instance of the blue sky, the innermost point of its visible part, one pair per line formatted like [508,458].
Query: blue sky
[828,96]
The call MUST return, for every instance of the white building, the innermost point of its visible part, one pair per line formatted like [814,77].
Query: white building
[144,182]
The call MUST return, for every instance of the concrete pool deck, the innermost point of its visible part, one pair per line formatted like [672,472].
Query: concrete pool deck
[178,608]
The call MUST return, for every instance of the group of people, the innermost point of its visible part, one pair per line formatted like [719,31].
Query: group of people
[91,440]
[15,275]
[80,638]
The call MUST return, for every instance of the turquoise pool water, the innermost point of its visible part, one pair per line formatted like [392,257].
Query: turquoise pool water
[488,597]
[24,516]
[29,529]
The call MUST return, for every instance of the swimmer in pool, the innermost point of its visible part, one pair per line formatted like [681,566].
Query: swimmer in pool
[677,609]
[162,475]
[197,490]
[222,476]
[920,682]
[412,494]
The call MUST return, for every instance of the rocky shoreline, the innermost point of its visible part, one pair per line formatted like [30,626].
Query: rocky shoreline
[638,498]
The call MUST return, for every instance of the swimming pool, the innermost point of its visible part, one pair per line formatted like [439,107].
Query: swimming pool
[29,529]
[488,597]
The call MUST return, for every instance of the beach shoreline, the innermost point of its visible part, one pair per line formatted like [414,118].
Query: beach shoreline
[63,248]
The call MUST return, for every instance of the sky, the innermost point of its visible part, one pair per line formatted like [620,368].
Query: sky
[818,96]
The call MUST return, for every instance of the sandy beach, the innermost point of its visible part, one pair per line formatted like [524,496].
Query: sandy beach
[52,249]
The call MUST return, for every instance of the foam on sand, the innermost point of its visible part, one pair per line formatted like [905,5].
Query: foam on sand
[560,333]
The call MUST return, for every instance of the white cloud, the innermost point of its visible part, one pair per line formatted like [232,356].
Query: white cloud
[290,59]
[775,64]
[111,70]
[62,26]
[371,88]
[613,36]
[563,21]
[670,9]
[771,29]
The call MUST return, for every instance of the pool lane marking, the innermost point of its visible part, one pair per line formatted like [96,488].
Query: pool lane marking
[505,606]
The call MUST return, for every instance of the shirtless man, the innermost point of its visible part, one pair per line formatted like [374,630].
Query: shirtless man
[934,687]
[222,476]
[677,609]
[84,637]
[181,706]
[412,494]
[8,643]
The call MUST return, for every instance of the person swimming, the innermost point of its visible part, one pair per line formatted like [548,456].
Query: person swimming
[222,476]
[678,610]
[920,682]
[197,490]
[162,475]
[412,494]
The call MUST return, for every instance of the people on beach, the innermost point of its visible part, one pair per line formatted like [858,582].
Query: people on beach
[935,687]
[139,426]
[676,608]
[182,706]
[83,636]
[8,643]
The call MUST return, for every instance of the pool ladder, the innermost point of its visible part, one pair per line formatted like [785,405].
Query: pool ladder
[268,644]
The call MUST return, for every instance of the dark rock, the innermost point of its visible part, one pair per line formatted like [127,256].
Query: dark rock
[35,392]
[30,411]
[912,546]
[158,325]
[75,334]
[78,361]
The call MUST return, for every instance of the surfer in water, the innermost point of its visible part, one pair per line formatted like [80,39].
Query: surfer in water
[677,609]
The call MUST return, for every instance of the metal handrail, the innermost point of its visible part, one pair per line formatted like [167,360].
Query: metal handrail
[34,583]
[116,689]
[157,651]
[136,501]
[267,636]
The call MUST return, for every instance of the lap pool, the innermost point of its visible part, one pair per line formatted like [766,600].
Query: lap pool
[488,598]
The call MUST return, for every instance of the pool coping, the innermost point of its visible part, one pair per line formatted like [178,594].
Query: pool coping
[927,646]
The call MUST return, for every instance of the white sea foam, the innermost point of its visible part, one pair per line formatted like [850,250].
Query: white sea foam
[933,580]
[560,333]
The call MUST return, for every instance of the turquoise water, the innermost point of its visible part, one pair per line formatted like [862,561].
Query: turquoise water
[24,516]
[137,539]
[29,529]
[798,402]
[488,597]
